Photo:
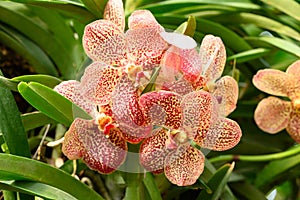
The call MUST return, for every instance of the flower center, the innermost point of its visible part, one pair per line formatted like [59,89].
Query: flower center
[133,71]
[296,104]
[105,123]
[176,138]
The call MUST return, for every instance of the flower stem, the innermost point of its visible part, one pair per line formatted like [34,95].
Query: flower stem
[256,158]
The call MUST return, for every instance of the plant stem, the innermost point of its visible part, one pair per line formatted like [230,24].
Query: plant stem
[256,158]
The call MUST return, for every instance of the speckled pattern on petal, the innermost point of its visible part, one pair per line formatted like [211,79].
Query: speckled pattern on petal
[153,151]
[294,70]
[184,165]
[213,57]
[69,89]
[114,12]
[140,19]
[127,112]
[226,90]
[145,47]
[181,86]
[100,153]
[224,134]
[272,114]
[162,108]
[274,82]
[199,110]
[98,82]
[104,41]
[293,127]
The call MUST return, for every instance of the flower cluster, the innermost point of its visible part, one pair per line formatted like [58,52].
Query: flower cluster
[188,106]
[274,114]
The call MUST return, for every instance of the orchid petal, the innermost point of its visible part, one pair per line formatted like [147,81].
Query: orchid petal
[114,12]
[141,19]
[294,70]
[272,114]
[224,134]
[199,110]
[179,40]
[226,91]
[293,127]
[127,112]
[84,140]
[181,87]
[184,165]
[153,151]
[104,41]
[187,61]
[69,89]
[145,47]
[162,108]
[213,57]
[274,82]
[98,82]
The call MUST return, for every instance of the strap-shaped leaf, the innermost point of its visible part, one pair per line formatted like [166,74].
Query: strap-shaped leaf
[19,168]
[36,189]
[151,186]
[249,55]
[217,183]
[46,80]
[51,103]
[35,119]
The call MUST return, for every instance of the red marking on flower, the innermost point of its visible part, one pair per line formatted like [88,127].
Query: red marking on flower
[162,108]
[141,19]
[127,112]
[114,12]
[98,82]
[85,140]
[273,114]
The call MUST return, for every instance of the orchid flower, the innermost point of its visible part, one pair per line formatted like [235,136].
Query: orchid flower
[274,114]
[181,120]
[107,90]
[184,70]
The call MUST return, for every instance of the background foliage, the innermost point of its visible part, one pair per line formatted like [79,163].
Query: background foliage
[47,34]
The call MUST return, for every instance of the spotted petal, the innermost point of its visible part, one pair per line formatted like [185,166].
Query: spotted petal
[181,86]
[293,127]
[199,110]
[162,108]
[187,61]
[153,151]
[226,91]
[84,140]
[145,47]
[104,41]
[213,57]
[127,112]
[274,82]
[141,19]
[98,82]
[184,165]
[272,114]
[69,89]
[294,70]
[224,134]
[114,12]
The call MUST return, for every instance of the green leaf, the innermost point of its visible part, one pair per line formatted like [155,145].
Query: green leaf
[249,55]
[188,28]
[28,49]
[35,119]
[19,168]
[46,80]
[217,183]
[51,103]
[36,189]
[289,7]
[95,7]
[11,125]
[277,42]
[275,169]
[151,186]
[247,190]
[8,84]
[151,85]
[259,21]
